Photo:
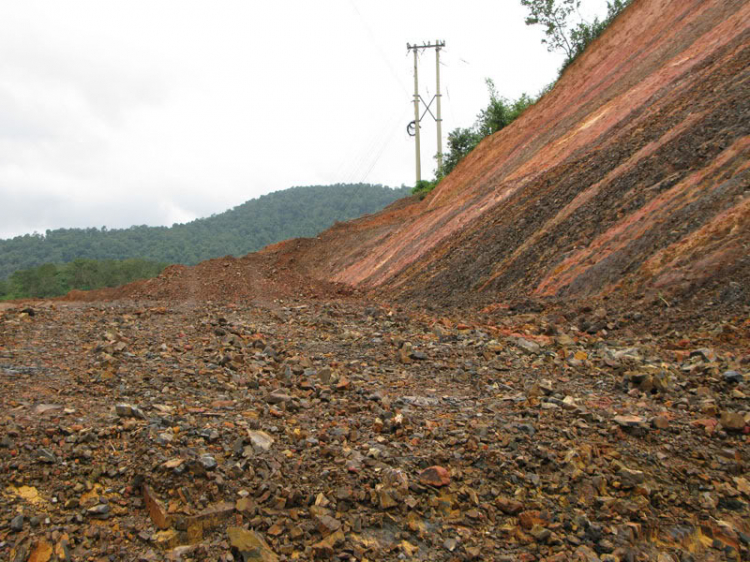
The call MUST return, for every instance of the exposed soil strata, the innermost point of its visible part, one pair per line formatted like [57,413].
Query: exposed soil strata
[642,143]
[589,223]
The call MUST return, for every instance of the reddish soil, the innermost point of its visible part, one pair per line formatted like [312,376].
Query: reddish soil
[256,278]
[631,176]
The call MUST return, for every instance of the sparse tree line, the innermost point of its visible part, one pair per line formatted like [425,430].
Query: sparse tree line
[498,114]
[51,280]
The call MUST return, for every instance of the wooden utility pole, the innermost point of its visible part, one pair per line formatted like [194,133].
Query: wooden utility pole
[417,99]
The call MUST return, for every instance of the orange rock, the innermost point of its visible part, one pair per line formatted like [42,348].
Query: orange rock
[156,509]
[42,552]
[435,476]
[528,519]
[508,506]
[343,384]
[708,424]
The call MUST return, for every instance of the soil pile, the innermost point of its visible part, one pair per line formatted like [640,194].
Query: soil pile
[258,278]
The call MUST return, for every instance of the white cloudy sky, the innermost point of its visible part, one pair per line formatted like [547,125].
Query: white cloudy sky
[153,112]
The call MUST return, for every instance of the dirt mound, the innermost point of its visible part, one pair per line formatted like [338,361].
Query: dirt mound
[259,278]
[296,268]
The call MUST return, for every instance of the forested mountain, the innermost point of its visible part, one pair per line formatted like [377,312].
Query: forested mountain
[291,213]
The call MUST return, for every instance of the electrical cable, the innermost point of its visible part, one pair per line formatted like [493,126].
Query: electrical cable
[359,162]
[371,36]
[384,146]
[361,165]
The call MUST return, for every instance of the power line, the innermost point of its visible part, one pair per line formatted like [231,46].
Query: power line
[366,162]
[356,166]
[362,165]
[385,145]
[371,36]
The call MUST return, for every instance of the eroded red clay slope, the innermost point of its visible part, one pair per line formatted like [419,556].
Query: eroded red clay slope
[630,177]
[631,174]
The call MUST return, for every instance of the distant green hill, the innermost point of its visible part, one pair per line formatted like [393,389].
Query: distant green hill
[52,280]
[291,213]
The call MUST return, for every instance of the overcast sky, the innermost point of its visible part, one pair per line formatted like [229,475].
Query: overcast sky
[154,112]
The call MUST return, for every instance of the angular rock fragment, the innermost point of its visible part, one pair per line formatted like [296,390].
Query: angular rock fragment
[327,524]
[156,510]
[43,552]
[260,440]
[435,476]
[630,478]
[528,346]
[732,421]
[393,488]
[46,456]
[508,506]
[733,377]
[250,546]
[16,524]
[41,409]
[101,511]
[630,421]
[326,548]
[129,411]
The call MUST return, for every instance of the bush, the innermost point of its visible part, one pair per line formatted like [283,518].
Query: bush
[499,113]
[423,187]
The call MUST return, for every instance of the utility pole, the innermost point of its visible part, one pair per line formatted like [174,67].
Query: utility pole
[414,127]
[439,119]
[417,119]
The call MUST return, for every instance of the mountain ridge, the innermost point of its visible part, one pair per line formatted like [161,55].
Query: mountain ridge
[297,211]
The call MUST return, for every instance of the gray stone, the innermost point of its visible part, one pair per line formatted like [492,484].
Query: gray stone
[733,377]
[16,524]
[100,511]
[46,456]
[527,345]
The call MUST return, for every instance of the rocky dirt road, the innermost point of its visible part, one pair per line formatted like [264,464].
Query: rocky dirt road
[349,431]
